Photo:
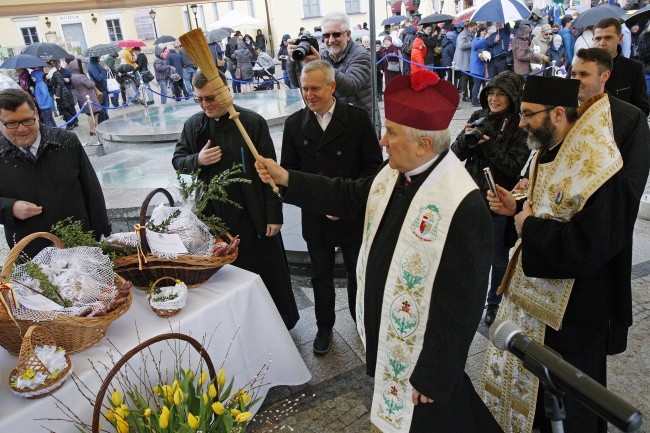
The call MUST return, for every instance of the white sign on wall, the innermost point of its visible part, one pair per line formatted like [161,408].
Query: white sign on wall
[69,18]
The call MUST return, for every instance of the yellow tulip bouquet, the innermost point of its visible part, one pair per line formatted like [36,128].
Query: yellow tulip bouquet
[186,406]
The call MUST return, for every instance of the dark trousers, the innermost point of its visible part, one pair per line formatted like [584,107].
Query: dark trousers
[499,257]
[322,257]
[406,66]
[465,83]
[476,89]
[579,419]
[497,65]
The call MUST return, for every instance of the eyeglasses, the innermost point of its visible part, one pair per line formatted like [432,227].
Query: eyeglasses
[335,34]
[497,94]
[527,116]
[14,124]
[209,99]
[548,34]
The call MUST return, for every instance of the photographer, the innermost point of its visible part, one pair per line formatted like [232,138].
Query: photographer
[492,138]
[351,61]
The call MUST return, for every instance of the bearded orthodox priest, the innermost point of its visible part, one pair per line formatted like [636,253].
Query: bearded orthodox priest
[565,285]
[418,301]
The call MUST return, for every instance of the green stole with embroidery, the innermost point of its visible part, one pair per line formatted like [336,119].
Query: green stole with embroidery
[409,283]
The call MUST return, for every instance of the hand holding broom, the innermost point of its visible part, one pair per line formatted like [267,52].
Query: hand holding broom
[197,49]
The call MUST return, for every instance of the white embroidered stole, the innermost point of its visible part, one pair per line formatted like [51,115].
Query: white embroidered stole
[587,158]
[409,283]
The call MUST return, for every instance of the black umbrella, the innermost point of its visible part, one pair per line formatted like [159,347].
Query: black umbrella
[435,19]
[21,61]
[217,35]
[638,17]
[45,51]
[164,39]
[591,16]
[101,50]
[395,19]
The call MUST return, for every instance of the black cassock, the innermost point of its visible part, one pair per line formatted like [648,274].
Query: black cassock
[456,303]
[260,206]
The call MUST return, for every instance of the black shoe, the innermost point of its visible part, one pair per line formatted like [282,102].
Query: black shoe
[491,314]
[466,99]
[476,104]
[323,341]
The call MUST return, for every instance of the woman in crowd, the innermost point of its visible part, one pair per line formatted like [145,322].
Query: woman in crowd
[476,63]
[243,63]
[390,65]
[283,57]
[492,138]
[85,86]
[522,53]
[260,40]
[162,71]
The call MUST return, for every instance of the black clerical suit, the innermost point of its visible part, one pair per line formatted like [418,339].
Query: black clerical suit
[348,148]
[259,205]
[627,82]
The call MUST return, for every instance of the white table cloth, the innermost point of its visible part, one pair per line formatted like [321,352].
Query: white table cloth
[235,302]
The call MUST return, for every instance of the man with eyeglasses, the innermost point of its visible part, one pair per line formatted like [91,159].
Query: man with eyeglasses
[627,81]
[45,176]
[565,272]
[211,141]
[351,62]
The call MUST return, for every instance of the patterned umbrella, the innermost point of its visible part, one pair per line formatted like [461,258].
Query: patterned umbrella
[131,43]
[21,61]
[501,11]
[45,51]
[101,50]
[464,15]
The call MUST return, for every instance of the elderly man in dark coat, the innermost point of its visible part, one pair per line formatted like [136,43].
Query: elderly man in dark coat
[418,303]
[211,141]
[336,140]
[46,176]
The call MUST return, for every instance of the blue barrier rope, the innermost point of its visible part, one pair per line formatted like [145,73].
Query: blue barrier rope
[180,98]
[73,118]
[137,92]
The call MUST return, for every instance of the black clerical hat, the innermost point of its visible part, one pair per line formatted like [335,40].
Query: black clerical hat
[554,91]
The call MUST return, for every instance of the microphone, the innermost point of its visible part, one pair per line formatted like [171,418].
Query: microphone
[549,366]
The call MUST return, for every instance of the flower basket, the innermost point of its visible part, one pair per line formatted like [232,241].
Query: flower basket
[170,307]
[192,270]
[101,394]
[28,361]
[73,333]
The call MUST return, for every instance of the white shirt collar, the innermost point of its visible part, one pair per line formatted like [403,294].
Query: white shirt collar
[325,119]
[421,169]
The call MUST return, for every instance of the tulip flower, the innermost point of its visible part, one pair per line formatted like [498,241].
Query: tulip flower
[168,393]
[192,421]
[121,425]
[221,377]
[212,391]
[205,398]
[176,385]
[245,397]
[156,390]
[243,417]
[203,378]
[116,398]
[110,415]
[147,412]
[218,408]
[163,420]
[235,412]
[178,397]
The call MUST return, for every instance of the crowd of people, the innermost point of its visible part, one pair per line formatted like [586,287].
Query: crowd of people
[428,243]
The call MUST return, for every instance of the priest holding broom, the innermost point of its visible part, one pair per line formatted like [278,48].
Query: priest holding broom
[423,265]
[216,139]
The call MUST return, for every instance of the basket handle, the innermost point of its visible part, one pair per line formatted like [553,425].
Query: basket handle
[20,246]
[128,355]
[153,286]
[143,215]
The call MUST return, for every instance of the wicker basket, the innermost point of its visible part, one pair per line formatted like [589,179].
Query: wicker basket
[99,399]
[73,333]
[162,312]
[27,360]
[192,270]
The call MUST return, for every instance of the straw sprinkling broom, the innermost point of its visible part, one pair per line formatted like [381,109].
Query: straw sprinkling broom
[197,49]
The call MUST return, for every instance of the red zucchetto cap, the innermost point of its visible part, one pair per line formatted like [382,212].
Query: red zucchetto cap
[421,100]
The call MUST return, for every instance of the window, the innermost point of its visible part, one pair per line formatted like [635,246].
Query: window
[352,6]
[29,35]
[310,8]
[114,30]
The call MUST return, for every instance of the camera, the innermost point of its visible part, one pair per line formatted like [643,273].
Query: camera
[304,48]
[481,128]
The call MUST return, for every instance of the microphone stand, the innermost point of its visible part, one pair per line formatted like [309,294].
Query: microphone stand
[553,403]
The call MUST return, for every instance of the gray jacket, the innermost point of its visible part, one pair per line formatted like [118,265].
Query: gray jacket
[463,50]
[352,74]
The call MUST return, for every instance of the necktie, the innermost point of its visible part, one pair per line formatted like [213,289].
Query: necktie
[29,154]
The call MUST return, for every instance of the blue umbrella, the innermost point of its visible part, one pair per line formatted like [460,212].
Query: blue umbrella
[21,61]
[591,16]
[501,11]
[395,19]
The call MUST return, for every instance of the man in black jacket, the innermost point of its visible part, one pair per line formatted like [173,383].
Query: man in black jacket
[334,139]
[46,176]
[212,142]
[627,81]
